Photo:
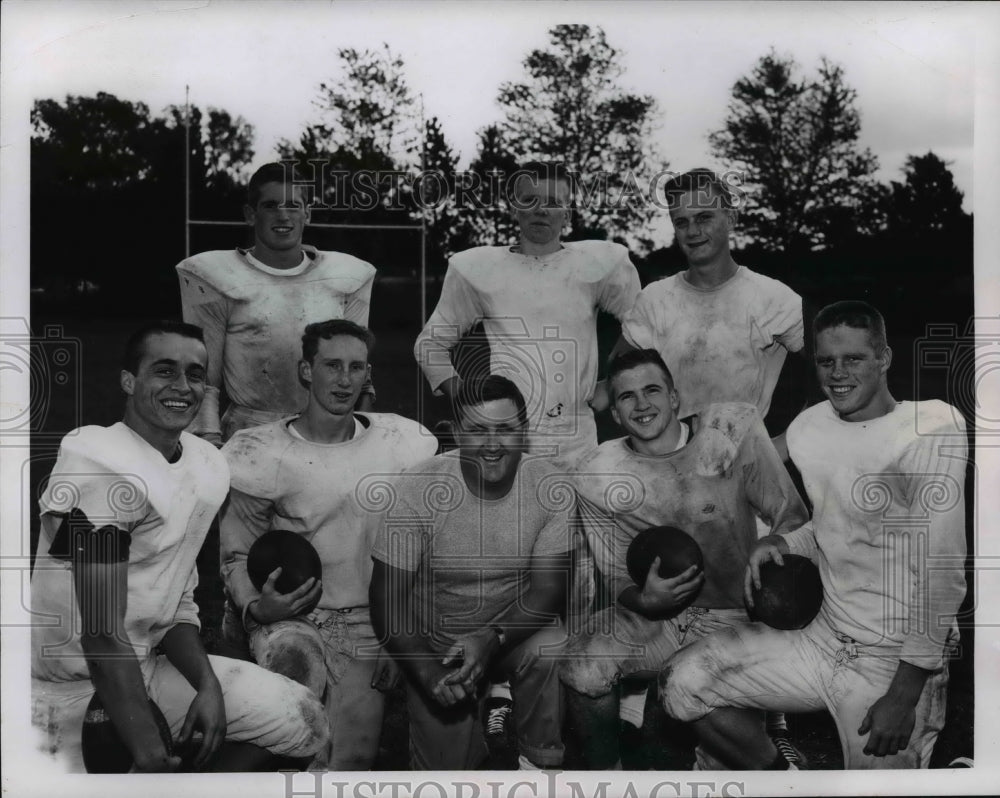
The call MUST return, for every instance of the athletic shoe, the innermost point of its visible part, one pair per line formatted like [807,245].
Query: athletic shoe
[962,762]
[497,712]
[793,756]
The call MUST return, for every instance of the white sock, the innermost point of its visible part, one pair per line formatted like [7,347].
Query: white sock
[632,706]
[500,690]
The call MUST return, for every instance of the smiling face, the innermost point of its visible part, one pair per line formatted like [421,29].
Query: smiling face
[852,373]
[702,227]
[336,374]
[492,440]
[541,210]
[167,388]
[278,219]
[645,406]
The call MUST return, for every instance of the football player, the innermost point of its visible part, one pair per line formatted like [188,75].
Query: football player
[886,479]
[537,300]
[124,514]
[471,572]
[253,304]
[709,475]
[302,474]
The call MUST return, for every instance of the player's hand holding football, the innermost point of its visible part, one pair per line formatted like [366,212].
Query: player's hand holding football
[207,714]
[768,549]
[273,606]
[662,597]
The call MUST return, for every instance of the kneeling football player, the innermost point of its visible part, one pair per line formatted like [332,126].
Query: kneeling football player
[471,572]
[709,475]
[301,474]
[877,654]
[124,514]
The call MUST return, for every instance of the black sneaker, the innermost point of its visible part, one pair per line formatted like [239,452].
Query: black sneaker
[793,756]
[497,712]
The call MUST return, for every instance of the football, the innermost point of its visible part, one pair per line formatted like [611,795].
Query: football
[676,549]
[295,555]
[103,749]
[790,595]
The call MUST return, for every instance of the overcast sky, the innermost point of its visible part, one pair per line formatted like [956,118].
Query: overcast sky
[912,65]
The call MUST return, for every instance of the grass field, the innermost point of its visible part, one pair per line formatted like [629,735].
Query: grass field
[662,744]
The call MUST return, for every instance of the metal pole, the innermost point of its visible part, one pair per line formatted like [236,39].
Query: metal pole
[187,171]
[423,219]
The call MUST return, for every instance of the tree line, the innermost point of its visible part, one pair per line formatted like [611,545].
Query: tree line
[107,179]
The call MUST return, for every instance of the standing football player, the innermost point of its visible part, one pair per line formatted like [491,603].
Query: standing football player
[722,329]
[125,511]
[253,304]
[886,479]
[471,572]
[302,474]
[710,476]
[538,301]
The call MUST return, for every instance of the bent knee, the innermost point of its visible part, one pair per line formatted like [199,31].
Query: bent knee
[591,667]
[309,734]
[684,682]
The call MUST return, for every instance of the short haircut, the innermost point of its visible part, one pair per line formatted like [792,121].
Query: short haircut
[538,171]
[853,313]
[330,329]
[545,170]
[135,346]
[635,358]
[702,183]
[284,172]
[492,387]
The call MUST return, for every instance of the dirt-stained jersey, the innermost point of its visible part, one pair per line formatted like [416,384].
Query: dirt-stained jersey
[539,315]
[724,344]
[281,481]
[253,317]
[712,488]
[115,477]
[888,528]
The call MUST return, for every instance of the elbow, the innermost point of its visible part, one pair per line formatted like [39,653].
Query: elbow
[103,644]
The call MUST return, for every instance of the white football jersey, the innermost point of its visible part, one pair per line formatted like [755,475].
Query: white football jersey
[539,315]
[253,317]
[281,481]
[115,477]
[725,344]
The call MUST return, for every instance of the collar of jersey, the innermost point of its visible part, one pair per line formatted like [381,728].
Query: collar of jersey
[308,258]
